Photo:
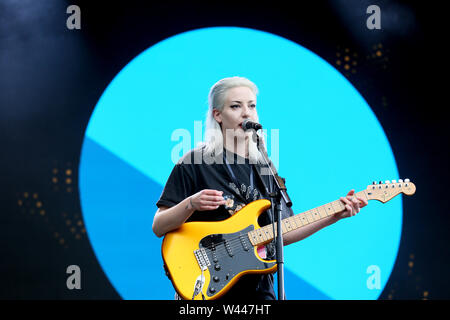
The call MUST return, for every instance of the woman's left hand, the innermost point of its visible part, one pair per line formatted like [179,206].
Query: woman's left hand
[352,204]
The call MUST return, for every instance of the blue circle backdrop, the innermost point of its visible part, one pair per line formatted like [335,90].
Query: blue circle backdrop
[321,133]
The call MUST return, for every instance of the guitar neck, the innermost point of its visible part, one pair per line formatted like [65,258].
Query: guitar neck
[265,234]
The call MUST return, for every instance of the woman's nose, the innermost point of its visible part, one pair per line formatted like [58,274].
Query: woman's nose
[245,111]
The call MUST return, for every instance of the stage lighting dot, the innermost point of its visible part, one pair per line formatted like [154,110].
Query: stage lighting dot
[42,212]
[378,53]
[68,180]
[79,223]
[411,264]
[35,195]
[338,62]
[68,222]
[354,63]
[38,204]
[55,180]
[425,294]
[61,241]
[68,172]
[55,170]
[77,236]
[380,45]
[338,54]
[25,195]
[20,203]
[346,67]
[347,58]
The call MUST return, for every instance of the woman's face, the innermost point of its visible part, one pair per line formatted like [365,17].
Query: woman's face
[240,104]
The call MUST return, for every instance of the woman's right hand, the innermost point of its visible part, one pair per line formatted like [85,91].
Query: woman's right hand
[207,199]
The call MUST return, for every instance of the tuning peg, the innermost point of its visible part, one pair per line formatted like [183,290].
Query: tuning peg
[387,182]
[381,182]
[394,181]
[400,181]
[406,180]
[374,182]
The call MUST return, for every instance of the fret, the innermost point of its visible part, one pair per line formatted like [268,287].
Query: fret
[339,205]
[320,213]
[329,210]
[333,207]
[362,194]
[309,217]
[291,223]
[294,220]
[304,220]
[253,238]
[258,236]
[276,230]
[283,228]
[315,215]
[262,234]
[287,225]
[323,211]
[299,220]
[268,232]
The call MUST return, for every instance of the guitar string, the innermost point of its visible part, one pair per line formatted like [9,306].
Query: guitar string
[236,242]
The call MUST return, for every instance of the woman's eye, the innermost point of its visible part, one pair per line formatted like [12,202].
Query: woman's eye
[234,106]
[253,106]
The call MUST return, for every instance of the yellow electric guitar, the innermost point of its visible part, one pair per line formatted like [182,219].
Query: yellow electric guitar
[205,259]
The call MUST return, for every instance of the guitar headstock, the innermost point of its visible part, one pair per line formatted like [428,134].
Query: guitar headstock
[389,189]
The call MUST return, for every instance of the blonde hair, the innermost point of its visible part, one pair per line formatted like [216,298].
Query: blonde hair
[213,134]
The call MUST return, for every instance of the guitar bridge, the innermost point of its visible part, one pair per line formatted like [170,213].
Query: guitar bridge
[202,258]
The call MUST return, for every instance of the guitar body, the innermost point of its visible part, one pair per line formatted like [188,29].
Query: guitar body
[212,256]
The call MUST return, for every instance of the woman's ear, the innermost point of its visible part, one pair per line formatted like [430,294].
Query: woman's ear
[217,115]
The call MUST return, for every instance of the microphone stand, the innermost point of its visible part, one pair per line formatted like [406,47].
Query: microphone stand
[278,192]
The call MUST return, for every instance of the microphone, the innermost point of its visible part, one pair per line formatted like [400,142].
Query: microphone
[247,125]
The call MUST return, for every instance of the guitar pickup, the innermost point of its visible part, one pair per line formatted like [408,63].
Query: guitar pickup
[202,258]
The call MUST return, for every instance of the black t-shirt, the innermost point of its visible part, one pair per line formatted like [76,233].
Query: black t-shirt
[191,175]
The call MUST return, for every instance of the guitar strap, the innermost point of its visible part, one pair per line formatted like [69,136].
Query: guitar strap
[233,176]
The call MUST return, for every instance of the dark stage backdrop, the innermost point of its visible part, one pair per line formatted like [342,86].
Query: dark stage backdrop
[51,78]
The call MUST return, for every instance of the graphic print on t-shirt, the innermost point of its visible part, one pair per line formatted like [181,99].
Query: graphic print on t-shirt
[249,193]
